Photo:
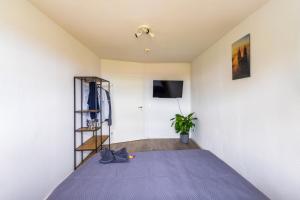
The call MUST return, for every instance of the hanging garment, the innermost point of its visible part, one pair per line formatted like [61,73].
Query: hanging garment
[93,101]
[102,100]
[85,95]
[105,103]
[85,106]
[109,119]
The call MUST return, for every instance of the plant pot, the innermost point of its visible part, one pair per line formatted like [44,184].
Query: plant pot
[184,138]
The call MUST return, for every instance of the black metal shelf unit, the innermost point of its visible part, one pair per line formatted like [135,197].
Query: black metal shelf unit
[90,144]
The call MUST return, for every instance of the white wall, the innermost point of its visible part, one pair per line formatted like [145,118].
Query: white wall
[253,123]
[37,63]
[132,87]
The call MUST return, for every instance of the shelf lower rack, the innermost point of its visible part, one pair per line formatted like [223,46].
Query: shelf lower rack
[87,129]
[90,144]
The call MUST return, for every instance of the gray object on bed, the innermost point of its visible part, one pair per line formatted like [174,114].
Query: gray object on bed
[110,156]
[158,175]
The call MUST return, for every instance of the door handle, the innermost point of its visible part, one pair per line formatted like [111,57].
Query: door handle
[140,107]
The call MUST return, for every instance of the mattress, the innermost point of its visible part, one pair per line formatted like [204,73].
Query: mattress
[158,175]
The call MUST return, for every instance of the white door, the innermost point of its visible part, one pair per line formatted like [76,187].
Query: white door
[127,100]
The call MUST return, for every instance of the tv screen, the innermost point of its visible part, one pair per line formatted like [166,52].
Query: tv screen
[167,89]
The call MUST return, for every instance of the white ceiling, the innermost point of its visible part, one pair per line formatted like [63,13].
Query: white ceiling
[183,28]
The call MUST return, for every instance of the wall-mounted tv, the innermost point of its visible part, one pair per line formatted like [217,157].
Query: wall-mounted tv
[167,89]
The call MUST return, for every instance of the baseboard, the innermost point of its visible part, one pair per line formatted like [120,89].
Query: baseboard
[134,140]
[195,141]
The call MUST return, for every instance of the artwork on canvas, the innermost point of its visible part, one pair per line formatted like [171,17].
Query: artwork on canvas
[241,58]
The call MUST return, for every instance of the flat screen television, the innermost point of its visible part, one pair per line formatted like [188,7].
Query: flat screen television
[167,89]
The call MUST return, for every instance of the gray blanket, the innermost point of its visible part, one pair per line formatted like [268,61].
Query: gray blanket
[158,175]
[111,156]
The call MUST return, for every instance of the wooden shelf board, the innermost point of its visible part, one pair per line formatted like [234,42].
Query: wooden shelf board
[90,144]
[87,111]
[87,129]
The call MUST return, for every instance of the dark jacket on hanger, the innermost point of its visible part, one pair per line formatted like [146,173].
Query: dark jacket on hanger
[93,99]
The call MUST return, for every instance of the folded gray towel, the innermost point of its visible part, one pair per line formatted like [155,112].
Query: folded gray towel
[106,156]
[121,156]
[110,156]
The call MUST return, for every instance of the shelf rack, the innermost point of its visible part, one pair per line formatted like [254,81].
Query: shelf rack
[95,142]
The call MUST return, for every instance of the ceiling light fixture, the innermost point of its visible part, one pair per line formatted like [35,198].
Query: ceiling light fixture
[144,30]
[147,50]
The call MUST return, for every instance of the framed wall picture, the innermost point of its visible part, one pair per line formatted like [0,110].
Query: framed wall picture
[241,58]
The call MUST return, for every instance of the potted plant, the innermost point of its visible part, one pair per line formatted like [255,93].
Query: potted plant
[183,125]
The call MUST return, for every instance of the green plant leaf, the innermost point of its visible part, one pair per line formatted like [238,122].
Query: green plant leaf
[183,124]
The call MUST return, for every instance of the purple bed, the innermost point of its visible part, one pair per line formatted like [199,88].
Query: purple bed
[158,175]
